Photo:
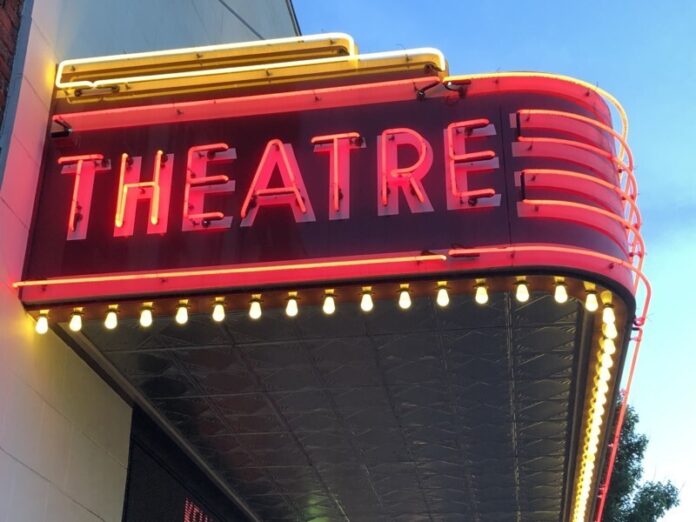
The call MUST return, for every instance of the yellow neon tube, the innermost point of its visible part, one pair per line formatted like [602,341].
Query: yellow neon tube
[268,50]
[392,59]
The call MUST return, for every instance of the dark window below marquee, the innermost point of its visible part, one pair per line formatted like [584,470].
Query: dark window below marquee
[164,485]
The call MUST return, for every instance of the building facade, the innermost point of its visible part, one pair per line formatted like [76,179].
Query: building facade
[284,280]
[64,432]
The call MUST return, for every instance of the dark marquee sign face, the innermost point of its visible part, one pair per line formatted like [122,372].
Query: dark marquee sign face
[322,185]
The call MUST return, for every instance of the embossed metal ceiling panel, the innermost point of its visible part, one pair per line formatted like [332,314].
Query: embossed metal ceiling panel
[463,413]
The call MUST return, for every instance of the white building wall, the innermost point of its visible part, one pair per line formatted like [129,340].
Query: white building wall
[64,434]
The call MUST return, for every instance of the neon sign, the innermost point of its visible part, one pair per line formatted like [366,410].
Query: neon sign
[343,178]
[392,179]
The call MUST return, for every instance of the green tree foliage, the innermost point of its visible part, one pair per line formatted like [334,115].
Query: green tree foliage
[629,500]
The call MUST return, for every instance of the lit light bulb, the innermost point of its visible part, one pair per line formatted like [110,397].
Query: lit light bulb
[404,299]
[481,295]
[218,312]
[442,298]
[42,324]
[591,302]
[75,323]
[603,388]
[561,293]
[329,304]
[596,423]
[146,317]
[292,309]
[366,304]
[111,320]
[181,316]
[608,315]
[255,309]
[522,292]
[609,346]
[607,361]
[604,374]
[609,330]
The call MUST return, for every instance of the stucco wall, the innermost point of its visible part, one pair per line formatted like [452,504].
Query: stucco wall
[63,432]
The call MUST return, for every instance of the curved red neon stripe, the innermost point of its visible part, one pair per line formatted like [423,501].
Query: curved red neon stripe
[635,211]
[637,238]
[630,176]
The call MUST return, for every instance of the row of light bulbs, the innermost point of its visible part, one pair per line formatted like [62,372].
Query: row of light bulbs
[597,409]
[292,308]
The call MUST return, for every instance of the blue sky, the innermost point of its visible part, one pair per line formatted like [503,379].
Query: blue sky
[645,54]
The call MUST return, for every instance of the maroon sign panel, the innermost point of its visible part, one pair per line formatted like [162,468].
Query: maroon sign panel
[317,181]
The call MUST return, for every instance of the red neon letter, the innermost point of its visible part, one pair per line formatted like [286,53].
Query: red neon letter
[391,177]
[198,185]
[293,191]
[157,191]
[339,146]
[459,164]
[84,169]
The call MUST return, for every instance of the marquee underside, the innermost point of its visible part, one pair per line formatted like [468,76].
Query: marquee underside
[461,413]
